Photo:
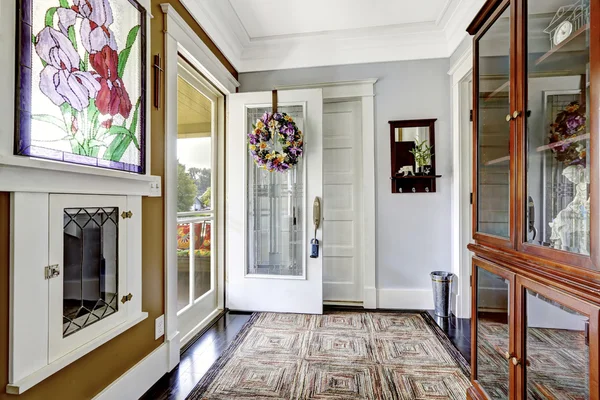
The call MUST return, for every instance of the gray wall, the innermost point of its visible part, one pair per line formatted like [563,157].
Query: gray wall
[413,230]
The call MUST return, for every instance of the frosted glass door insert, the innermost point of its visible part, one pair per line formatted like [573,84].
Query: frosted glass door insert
[275,210]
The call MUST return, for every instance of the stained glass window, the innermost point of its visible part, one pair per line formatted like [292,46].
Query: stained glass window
[81,82]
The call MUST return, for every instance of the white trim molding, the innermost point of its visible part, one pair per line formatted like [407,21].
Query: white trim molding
[422,40]
[139,378]
[363,91]
[462,157]
[405,299]
[198,53]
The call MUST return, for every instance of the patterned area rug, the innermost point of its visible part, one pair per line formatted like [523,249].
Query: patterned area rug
[339,355]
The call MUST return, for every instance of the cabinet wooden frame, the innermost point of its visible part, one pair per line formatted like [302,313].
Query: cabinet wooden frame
[568,259]
[485,19]
[510,277]
[571,263]
[591,310]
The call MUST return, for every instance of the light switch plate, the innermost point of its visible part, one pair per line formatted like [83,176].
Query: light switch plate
[159,327]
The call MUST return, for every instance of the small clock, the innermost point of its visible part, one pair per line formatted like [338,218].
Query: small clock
[563,31]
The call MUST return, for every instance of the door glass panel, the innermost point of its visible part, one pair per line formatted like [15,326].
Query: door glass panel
[194,189]
[558,135]
[493,304]
[493,140]
[90,276]
[557,350]
[275,210]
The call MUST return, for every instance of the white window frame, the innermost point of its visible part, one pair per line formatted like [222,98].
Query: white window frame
[180,39]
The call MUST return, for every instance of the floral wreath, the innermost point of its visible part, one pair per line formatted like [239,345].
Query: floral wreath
[287,134]
[569,124]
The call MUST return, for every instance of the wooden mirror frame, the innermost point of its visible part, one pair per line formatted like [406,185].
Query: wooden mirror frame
[412,184]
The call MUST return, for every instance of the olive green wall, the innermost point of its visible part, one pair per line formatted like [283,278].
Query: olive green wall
[89,375]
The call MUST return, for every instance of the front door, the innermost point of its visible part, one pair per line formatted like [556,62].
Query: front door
[270,214]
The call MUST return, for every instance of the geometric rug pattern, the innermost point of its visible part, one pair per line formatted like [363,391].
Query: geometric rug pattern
[557,362]
[339,355]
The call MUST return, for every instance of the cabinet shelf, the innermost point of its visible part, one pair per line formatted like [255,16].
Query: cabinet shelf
[563,142]
[568,45]
[417,177]
[497,161]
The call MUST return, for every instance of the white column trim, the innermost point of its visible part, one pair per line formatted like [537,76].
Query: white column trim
[460,73]
[363,91]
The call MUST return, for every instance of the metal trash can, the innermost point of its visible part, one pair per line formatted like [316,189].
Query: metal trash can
[441,282]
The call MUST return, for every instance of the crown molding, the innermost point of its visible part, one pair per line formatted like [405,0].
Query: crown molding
[425,40]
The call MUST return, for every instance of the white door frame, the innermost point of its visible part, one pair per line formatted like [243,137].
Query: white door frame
[363,91]
[181,39]
[462,156]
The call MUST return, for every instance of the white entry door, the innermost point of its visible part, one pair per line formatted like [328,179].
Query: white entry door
[270,214]
[342,172]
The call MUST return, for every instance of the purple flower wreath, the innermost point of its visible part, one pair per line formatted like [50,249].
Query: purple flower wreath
[569,125]
[287,134]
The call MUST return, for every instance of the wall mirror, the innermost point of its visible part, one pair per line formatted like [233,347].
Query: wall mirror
[413,156]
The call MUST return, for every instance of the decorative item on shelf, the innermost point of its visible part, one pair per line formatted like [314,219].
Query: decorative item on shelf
[422,153]
[279,129]
[568,126]
[426,170]
[406,170]
[82,83]
[568,19]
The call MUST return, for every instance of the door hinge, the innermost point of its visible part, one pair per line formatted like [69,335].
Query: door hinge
[126,298]
[471,198]
[51,271]
[471,115]
[126,214]
[470,280]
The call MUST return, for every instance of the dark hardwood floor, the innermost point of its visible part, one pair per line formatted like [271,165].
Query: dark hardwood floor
[199,357]
[458,331]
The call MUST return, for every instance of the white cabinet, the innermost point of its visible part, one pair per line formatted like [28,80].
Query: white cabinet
[75,278]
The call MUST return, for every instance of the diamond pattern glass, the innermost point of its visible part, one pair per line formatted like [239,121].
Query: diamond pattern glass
[90,289]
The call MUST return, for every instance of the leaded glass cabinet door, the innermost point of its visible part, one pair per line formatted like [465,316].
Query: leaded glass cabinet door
[560,164]
[87,246]
[492,330]
[270,214]
[493,100]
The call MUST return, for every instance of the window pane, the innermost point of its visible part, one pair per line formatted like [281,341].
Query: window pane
[558,135]
[275,210]
[194,148]
[183,265]
[202,258]
[492,333]
[90,277]
[493,153]
[557,350]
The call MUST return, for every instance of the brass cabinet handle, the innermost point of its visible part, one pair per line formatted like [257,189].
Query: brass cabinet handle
[516,361]
[516,114]
[508,355]
[508,117]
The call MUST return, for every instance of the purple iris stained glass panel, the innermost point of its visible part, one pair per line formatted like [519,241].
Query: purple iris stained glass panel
[81,82]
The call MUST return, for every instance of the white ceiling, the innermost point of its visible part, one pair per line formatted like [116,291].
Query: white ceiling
[260,35]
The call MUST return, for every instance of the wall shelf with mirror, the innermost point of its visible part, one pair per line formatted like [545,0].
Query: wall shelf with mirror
[412,145]
[536,264]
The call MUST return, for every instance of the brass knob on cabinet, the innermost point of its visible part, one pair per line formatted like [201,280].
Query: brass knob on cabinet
[508,355]
[516,114]
[516,361]
[508,117]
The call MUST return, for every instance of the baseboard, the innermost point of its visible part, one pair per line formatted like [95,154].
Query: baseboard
[370,298]
[139,378]
[405,299]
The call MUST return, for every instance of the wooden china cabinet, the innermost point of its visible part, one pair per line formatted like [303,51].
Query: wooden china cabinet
[536,217]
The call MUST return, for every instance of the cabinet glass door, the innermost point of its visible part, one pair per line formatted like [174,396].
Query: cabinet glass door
[493,297]
[558,341]
[557,137]
[493,129]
